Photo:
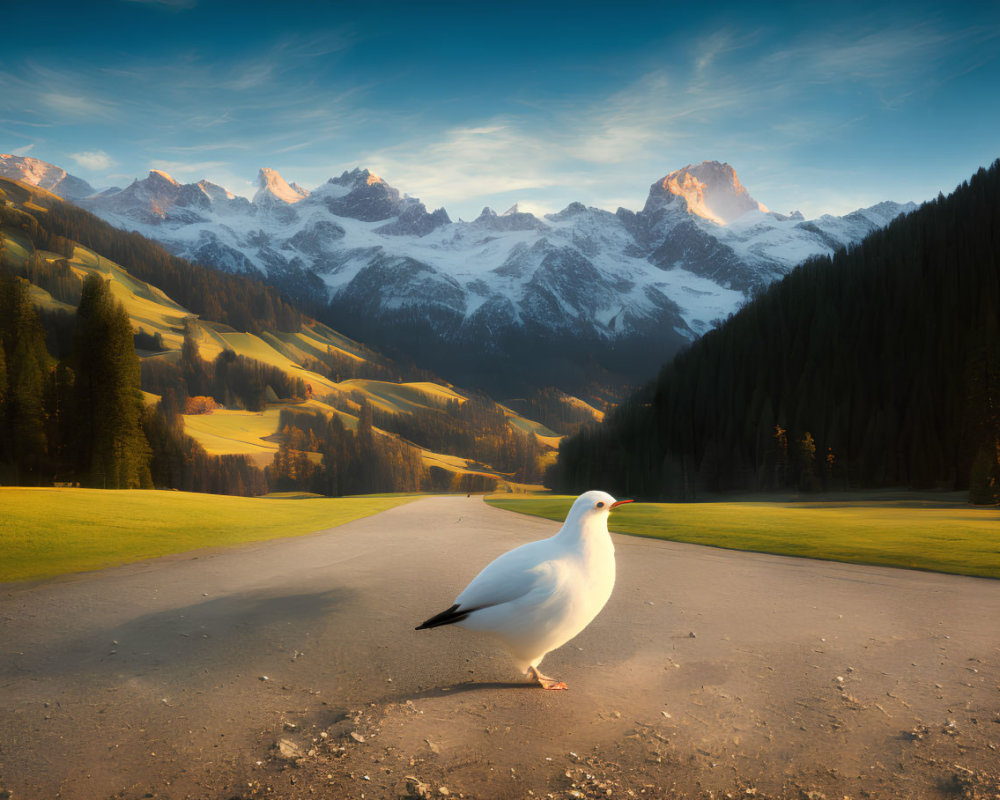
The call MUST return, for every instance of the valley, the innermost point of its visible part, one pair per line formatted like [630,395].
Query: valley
[325,374]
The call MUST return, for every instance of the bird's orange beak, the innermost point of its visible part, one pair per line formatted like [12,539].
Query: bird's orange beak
[619,503]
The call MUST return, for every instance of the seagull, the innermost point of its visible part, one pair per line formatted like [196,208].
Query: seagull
[540,595]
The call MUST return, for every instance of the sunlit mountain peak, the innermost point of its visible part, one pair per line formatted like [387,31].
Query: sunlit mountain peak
[273,185]
[710,189]
[159,173]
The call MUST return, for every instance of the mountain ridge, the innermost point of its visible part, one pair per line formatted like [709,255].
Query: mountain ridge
[580,286]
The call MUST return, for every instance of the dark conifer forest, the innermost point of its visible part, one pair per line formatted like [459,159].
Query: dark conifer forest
[81,417]
[876,367]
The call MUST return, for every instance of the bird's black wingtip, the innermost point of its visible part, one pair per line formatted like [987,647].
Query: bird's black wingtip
[447,617]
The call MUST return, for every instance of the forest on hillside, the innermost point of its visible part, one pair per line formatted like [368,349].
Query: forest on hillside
[71,409]
[876,367]
[80,415]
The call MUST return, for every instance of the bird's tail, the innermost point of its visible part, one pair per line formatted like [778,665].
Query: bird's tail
[448,617]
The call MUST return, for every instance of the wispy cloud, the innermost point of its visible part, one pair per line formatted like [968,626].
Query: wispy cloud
[23,151]
[469,162]
[711,48]
[24,123]
[197,168]
[207,147]
[249,76]
[875,58]
[95,161]
[734,98]
[584,150]
[75,105]
[766,94]
[269,101]
[39,96]
[322,42]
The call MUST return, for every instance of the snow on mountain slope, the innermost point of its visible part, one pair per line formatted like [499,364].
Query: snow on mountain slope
[44,175]
[582,278]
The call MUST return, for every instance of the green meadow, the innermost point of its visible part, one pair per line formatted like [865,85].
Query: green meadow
[48,532]
[943,537]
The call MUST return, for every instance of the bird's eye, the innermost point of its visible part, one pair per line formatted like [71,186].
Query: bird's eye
[601,504]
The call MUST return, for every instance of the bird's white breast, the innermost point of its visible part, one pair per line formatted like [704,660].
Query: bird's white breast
[570,582]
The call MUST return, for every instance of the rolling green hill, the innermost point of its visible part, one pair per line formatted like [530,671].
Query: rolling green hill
[338,376]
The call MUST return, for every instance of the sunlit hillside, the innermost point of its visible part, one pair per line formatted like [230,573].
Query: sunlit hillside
[338,375]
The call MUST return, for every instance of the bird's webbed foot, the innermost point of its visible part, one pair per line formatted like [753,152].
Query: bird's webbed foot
[545,681]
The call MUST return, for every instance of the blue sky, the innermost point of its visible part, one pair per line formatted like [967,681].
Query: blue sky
[819,107]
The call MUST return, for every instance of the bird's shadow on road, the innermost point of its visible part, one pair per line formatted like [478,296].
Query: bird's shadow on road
[219,631]
[469,686]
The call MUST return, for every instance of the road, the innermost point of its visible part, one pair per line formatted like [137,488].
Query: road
[291,669]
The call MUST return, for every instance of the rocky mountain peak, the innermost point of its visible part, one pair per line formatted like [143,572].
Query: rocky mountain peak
[572,210]
[710,190]
[158,175]
[357,178]
[215,192]
[44,175]
[274,187]
[511,220]
[363,195]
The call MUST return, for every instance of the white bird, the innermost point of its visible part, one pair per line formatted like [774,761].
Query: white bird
[540,595]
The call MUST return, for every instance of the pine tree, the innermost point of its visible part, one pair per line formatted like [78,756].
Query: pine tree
[807,463]
[23,443]
[194,368]
[3,389]
[27,414]
[781,458]
[111,449]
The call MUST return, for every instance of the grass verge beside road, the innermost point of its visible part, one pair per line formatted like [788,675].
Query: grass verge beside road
[48,532]
[910,534]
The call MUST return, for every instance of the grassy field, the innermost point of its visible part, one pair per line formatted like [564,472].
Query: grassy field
[251,433]
[401,398]
[48,532]
[240,432]
[310,342]
[943,537]
[545,436]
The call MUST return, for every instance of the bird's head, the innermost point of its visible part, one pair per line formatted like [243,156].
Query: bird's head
[593,505]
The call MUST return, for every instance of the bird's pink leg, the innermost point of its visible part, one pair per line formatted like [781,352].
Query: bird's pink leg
[545,680]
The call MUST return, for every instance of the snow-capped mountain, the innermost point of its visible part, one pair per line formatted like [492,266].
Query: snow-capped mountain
[711,191]
[476,299]
[44,175]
